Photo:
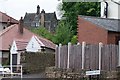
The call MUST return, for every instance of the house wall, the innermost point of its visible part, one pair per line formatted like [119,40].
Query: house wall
[112,37]
[0,57]
[91,33]
[33,46]
[5,57]
[47,50]
[2,25]
[113,9]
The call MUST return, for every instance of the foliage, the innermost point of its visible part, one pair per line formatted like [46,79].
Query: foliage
[73,9]
[67,27]
[63,33]
[42,31]
[74,39]
[37,62]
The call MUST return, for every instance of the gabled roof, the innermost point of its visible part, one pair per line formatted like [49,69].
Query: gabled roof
[21,44]
[108,24]
[49,16]
[4,18]
[29,17]
[8,35]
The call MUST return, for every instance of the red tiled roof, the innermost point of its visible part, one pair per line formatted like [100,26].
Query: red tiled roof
[12,33]
[21,44]
[4,18]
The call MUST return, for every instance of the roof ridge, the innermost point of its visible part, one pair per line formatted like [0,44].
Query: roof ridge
[8,16]
[98,17]
[7,29]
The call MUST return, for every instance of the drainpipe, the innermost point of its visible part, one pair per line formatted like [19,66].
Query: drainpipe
[106,9]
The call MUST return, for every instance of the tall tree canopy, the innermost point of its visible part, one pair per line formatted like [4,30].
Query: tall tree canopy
[67,27]
[73,9]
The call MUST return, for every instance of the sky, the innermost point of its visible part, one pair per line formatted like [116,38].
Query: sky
[18,8]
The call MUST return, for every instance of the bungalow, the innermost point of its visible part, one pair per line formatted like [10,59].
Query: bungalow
[15,39]
[6,20]
[93,30]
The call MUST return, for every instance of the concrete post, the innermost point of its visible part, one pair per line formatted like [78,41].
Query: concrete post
[100,51]
[119,55]
[68,60]
[56,56]
[83,54]
[59,52]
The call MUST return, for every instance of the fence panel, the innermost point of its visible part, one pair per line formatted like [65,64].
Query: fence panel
[109,57]
[63,57]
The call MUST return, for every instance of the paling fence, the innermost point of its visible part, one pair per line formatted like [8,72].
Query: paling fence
[86,56]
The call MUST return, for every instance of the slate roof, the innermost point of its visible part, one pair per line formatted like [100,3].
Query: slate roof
[49,16]
[11,33]
[29,17]
[108,24]
[4,18]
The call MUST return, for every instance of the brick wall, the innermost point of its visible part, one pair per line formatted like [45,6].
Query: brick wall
[91,33]
[112,37]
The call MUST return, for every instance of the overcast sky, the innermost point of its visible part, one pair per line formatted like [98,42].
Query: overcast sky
[18,8]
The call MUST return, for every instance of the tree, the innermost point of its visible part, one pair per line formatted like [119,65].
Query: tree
[42,31]
[63,33]
[73,9]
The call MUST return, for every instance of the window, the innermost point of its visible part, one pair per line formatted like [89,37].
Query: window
[37,24]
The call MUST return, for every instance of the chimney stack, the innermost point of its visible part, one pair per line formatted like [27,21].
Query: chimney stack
[21,25]
[38,9]
[43,18]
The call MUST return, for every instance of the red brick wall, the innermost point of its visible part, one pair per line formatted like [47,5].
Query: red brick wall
[91,33]
[112,37]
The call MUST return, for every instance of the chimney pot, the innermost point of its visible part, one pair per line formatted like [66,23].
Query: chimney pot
[43,11]
[38,9]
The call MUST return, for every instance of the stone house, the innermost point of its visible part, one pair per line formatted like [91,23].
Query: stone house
[35,20]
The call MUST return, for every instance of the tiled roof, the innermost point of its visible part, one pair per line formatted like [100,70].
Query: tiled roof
[47,43]
[21,44]
[11,33]
[106,23]
[4,18]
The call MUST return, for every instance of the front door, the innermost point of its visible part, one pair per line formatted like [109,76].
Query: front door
[14,61]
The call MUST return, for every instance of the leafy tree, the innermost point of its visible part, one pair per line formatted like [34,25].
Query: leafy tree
[63,33]
[73,9]
[74,39]
[42,31]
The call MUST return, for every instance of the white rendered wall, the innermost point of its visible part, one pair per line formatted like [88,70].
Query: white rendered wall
[33,45]
[113,9]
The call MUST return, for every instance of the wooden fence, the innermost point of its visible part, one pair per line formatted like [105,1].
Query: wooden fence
[85,56]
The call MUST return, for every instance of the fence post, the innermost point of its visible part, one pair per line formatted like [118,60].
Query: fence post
[59,52]
[100,51]
[119,55]
[56,56]
[83,54]
[68,60]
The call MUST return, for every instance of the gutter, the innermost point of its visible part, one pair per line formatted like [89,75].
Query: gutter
[115,2]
